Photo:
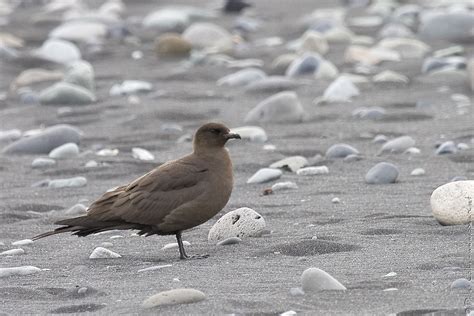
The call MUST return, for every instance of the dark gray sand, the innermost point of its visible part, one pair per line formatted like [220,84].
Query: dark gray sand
[376,229]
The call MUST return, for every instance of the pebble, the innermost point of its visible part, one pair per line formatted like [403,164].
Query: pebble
[58,51]
[12,252]
[167,20]
[153,268]
[103,253]
[406,47]
[382,173]
[447,147]
[22,242]
[451,203]
[174,297]
[433,65]
[462,146]
[281,107]
[91,164]
[282,186]
[254,134]
[63,93]
[340,90]
[80,73]
[336,200]
[65,151]
[271,84]
[82,31]
[175,245]
[395,30]
[235,6]
[242,77]
[311,171]
[454,27]
[397,145]
[314,279]
[372,113]
[462,283]
[296,291]
[128,87]
[311,41]
[304,65]
[43,162]
[370,56]
[418,172]
[106,244]
[107,152]
[45,141]
[242,222]
[352,157]
[34,75]
[172,45]
[265,175]
[391,77]
[229,241]
[205,35]
[75,182]
[380,139]
[390,274]
[142,154]
[288,313]
[341,151]
[24,270]
[292,163]
[412,151]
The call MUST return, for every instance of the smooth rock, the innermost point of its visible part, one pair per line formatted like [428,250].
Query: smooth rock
[397,30]
[412,151]
[372,113]
[128,87]
[255,134]
[398,145]
[304,65]
[208,35]
[229,241]
[242,222]
[462,283]
[142,154]
[271,84]
[340,151]
[24,270]
[174,297]
[76,210]
[296,291]
[406,47]
[281,107]
[10,135]
[43,162]
[174,245]
[449,26]
[281,63]
[59,51]
[340,90]
[45,141]
[336,200]
[242,77]
[63,93]
[452,203]
[172,45]
[292,163]
[311,171]
[153,268]
[391,77]
[22,242]
[265,175]
[65,151]
[80,73]
[12,252]
[34,75]
[434,65]
[283,186]
[352,158]
[382,173]
[83,31]
[167,20]
[75,182]
[448,147]
[103,253]
[91,164]
[314,279]
[312,41]
[417,172]
[370,56]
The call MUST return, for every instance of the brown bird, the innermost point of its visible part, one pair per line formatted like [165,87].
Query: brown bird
[171,198]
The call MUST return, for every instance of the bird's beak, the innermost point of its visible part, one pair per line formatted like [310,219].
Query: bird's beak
[232,135]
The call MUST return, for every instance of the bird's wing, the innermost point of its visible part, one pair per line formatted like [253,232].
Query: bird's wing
[150,198]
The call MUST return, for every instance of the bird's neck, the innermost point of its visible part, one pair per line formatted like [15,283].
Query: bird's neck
[219,153]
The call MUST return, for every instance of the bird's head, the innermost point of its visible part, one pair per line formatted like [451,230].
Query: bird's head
[212,135]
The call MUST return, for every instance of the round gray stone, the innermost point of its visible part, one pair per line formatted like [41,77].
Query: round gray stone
[382,173]
[280,107]
[63,93]
[341,151]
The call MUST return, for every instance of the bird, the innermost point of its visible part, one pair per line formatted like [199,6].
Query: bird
[177,195]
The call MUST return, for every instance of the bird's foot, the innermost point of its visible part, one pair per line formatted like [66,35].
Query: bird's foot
[194,257]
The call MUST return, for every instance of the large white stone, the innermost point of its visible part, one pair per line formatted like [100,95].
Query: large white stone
[242,77]
[406,47]
[80,73]
[80,31]
[293,163]
[242,222]
[398,145]
[103,253]
[24,270]
[208,35]
[453,203]
[75,182]
[265,175]
[280,107]
[340,90]
[174,297]
[68,150]
[63,93]
[314,279]
[59,51]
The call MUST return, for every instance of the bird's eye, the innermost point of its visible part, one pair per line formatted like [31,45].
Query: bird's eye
[215,131]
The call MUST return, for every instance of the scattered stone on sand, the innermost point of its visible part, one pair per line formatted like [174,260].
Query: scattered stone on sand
[45,141]
[24,270]
[65,151]
[390,275]
[205,35]
[142,154]
[242,222]
[283,186]
[255,134]
[281,107]
[229,241]
[13,252]
[167,20]
[448,147]
[22,242]
[406,47]
[452,203]
[395,30]
[42,162]
[390,77]
[296,291]
[372,113]
[63,93]
[432,65]
[174,297]
[242,77]
[271,84]
[454,27]
[309,64]
[340,90]
[80,73]
[265,175]
[340,151]
[103,253]
[91,164]
[382,173]
[108,152]
[154,268]
[81,31]
[352,157]
[174,245]
[58,51]
[76,210]
[292,163]
[336,200]
[463,146]
[310,41]
[461,284]
[418,172]
[75,182]
[312,171]
[397,145]
[172,45]
[7,136]
[314,279]
[412,151]
[370,56]
[34,75]
[128,87]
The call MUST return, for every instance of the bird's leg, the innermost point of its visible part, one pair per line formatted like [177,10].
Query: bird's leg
[182,252]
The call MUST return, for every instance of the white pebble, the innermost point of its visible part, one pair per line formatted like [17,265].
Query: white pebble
[390,274]
[253,133]
[174,297]
[107,152]
[103,253]
[91,164]
[314,279]
[65,151]
[43,162]
[265,175]
[336,200]
[67,183]
[293,163]
[153,268]
[24,270]
[242,222]
[418,172]
[142,154]
[12,252]
[22,242]
[281,186]
[175,245]
[311,171]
